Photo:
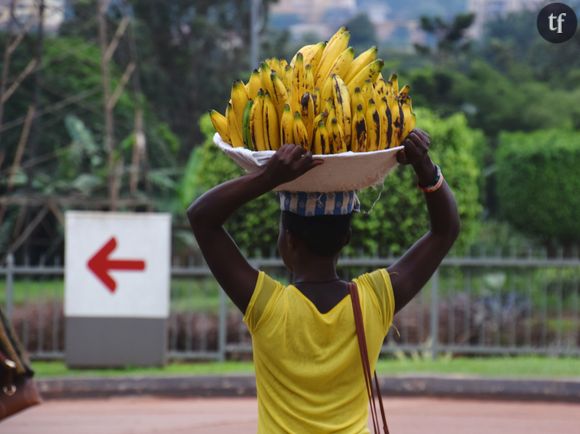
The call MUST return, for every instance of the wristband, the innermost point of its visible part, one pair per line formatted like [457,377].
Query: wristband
[436,184]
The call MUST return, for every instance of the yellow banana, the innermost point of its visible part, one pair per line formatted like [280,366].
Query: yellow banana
[336,45]
[246,133]
[373,123]
[274,64]
[360,62]
[220,123]
[307,113]
[254,84]
[408,115]
[359,130]
[393,115]
[271,126]
[305,49]
[234,129]
[321,117]
[325,99]
[316,97]
[300,132]
[357,98]
[287,126]
[326,90]
[341,101]
[339,66]
[394,84]
[380,87]
[280,95]
[369,72]
[383,122]
[337,137]
[315,54]
[397,117]
[257,123]
[311,54]
[239,99]
[286,77]
[342,63]
[367,89]
[266,78]
[308,79]
[329,109]
[404,92]
[298,85]
[321,141]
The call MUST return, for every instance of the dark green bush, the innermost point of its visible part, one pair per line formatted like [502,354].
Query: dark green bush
[398,217]
[538,183]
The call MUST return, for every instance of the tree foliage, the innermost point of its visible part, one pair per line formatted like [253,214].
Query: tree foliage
[255,226]
[538,183]
[449,36]
[362,32]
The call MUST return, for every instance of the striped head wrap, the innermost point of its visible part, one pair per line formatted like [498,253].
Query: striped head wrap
[317,204]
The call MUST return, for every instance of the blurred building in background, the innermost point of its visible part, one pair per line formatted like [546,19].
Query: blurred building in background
[26,13]
[320,18]
[489,10]
[315,17]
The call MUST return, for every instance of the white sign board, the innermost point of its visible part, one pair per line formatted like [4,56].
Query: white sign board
[117,264]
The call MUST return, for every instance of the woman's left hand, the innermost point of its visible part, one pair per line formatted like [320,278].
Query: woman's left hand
[416,153]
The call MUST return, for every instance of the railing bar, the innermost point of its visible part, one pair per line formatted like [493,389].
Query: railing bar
[544,316]
[499,317]
[468,302]
[559,325]
[55,318]
[530,322]
[188,323]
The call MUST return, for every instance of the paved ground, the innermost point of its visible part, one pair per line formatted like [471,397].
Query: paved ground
[238,415]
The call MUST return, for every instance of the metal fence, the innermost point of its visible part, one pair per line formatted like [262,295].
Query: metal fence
[472,305]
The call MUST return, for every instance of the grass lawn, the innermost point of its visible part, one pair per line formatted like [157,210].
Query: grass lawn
[510,367]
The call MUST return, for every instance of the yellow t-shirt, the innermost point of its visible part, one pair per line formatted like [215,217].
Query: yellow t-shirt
[309,375]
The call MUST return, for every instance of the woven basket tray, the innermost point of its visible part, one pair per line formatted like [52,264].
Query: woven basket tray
[340,172]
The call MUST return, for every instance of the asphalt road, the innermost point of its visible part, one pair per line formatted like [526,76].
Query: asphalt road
[146,415]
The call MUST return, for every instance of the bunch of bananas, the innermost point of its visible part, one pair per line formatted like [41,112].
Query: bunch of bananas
[326,100]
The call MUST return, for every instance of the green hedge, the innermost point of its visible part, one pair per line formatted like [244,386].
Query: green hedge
[398,217]
[538,183]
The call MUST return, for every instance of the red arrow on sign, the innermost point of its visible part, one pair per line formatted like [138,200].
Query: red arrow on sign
[100,264]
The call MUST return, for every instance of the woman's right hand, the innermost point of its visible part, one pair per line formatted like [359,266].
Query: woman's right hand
[288,163]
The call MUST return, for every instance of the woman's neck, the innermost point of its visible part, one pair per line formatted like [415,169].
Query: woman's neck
[315,269]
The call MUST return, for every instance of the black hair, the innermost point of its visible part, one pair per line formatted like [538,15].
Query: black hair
[323,235]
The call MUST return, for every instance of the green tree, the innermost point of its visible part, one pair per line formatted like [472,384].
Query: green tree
[450,36]
[71,160]
[362,32]
[255,225]
[188,52]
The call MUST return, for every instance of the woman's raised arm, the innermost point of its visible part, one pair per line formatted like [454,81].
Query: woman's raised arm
[210,211]
[412,271]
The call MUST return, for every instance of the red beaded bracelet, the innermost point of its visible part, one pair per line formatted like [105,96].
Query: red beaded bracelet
[437,183]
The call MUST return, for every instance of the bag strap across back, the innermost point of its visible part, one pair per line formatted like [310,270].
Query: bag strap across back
[362,344]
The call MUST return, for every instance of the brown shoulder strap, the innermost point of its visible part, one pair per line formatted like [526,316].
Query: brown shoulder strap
[362,344]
